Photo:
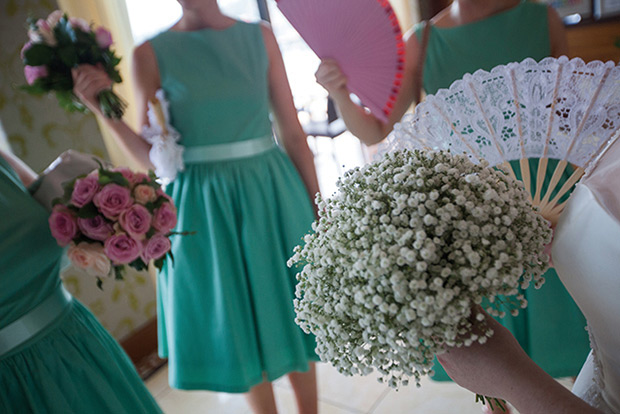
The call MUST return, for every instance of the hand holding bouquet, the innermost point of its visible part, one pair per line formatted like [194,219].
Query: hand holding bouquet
[404,252]
[59,44]
[113,218]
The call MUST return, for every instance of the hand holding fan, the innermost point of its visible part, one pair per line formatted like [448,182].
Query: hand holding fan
[363,36]
[554,109]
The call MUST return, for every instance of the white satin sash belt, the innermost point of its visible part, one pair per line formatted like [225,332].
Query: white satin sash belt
[229,151]
[33,322]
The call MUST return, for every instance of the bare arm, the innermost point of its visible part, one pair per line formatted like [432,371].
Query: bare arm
[289,130]
[90,80]
[367,127]
[500,368]
[557,33]
[24,172]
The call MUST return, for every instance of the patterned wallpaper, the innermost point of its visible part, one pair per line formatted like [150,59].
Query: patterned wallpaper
[37,131]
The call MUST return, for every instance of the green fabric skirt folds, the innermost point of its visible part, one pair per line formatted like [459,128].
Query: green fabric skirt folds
[226,304]
[73,366]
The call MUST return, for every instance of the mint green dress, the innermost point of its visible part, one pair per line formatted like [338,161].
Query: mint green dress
[225,306]
[552,328]
[72,365]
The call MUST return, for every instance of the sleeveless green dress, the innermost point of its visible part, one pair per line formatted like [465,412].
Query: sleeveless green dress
[552,328]
[225,306]
[72,365]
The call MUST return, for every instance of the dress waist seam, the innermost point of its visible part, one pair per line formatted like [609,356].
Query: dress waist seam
[228,151]
[35,321]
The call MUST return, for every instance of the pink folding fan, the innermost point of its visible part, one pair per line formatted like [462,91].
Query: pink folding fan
[363,36]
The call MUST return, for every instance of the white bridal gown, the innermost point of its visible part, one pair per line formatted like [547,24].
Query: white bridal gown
[586,255]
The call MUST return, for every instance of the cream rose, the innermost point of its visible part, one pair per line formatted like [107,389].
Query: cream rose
[144,194]
[90,257]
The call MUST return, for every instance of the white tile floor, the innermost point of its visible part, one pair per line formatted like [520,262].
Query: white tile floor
[337,395]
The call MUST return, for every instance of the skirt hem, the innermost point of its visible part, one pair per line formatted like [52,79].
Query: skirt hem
[271,375]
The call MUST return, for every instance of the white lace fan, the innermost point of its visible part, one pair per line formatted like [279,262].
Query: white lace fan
[555,109]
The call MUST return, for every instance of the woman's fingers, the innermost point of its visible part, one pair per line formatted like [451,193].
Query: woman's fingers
[88,82]
[330,76]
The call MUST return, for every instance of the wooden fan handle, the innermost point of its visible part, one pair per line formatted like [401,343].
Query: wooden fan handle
[540,177]
[507,168]
[555,179]
[552,204]
[159,114]
[525,175]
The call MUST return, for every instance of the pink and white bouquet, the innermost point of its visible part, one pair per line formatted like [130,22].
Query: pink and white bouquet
[110,219]
[60,43]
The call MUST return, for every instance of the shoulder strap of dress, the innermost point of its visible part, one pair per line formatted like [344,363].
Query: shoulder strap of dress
[418,81]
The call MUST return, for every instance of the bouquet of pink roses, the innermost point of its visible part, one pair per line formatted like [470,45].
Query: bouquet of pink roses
[114,218]
[58,44]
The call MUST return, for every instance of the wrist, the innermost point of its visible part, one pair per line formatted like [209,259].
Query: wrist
[534,391]
[340,95]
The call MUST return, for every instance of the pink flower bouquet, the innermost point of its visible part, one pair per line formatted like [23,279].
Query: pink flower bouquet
[110,219]
[58,44]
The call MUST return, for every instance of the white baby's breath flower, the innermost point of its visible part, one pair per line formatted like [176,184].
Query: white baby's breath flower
[404,251]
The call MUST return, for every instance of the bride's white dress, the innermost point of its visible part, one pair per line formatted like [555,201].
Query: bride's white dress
[586,255]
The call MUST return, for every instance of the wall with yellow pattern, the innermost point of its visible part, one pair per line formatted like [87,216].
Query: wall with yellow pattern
[37,131]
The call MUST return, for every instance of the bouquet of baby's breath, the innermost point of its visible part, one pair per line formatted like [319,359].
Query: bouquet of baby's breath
[402,254]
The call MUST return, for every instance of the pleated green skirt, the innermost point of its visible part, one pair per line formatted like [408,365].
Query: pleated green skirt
[73,366]
[225,306]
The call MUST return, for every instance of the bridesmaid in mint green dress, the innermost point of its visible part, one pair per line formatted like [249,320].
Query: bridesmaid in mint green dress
[225,306]
[54,355]
[467,36]
[552,328]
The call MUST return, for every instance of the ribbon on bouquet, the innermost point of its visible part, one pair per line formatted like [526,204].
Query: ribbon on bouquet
[166,153]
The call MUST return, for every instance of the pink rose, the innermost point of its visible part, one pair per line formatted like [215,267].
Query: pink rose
[112,200]
[155,247]
[32,73]
[26,46]
[43,25]
[165,218]
[90,257]
[161,193]
[103,37]
[139,178]
[126,172]
[84,190]
[63,225]
[144,194]
[80,24]
[96,228]
[122,249]
[45,33]
[136,221]
[53,18]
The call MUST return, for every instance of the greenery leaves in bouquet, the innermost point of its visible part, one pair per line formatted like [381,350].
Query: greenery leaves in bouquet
[57,45]
[404,251]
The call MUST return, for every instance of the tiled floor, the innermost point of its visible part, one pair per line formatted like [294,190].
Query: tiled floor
[337,395]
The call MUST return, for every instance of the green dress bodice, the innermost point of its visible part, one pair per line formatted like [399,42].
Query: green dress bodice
[218,93]
[509,36]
